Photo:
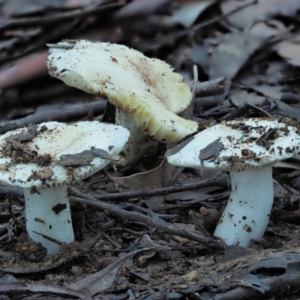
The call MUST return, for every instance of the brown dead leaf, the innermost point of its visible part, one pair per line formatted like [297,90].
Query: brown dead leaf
[263,10]
[155,178]
[188,227]
[103,280]
[27,7]
[146,242]
[289,50]
[229,52]
[189,11]
[269,29]
[138,8]
[240,97]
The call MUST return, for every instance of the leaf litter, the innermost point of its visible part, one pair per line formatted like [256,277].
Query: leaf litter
[137,237]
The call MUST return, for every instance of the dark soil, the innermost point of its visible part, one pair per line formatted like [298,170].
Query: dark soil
[145,231]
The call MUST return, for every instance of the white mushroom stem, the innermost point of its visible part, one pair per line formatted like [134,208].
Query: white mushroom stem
[48,215]
[247,213]
[138,143]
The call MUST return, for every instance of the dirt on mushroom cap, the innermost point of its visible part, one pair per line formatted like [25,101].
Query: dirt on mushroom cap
[40,160]
[241,144]
[145,88]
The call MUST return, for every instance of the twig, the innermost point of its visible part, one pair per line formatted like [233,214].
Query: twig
[259,109]
[56,33]
[54,18]
[137,217]
[236,113]
[221,180]
[60,46]
[220,18]
[4,190]
[232,103]
[272,284]
[212,87]
[71,112]
[19,288]
[195,83]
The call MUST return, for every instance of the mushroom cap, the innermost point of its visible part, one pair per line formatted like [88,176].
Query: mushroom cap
[239,145]
[147,89]
[52,140]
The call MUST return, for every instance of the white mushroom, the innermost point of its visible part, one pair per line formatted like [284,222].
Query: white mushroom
[247,148]
[147,92]
[44,160]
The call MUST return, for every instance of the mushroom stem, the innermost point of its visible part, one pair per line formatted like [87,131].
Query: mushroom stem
[48,215]
[247,213]
[138,143]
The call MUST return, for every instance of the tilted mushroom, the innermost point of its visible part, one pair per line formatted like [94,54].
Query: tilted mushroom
[247,148]
[147,92]
[44,160]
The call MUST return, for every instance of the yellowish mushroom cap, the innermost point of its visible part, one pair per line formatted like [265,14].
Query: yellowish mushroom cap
[147,89]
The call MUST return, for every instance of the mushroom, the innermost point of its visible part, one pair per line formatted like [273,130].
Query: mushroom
[147,92]
[44,159]
[247,148]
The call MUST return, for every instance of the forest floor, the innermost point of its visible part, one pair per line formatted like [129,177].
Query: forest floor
[140,231]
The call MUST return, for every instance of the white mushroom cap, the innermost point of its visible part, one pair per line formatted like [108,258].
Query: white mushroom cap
[56,139]
[247,148]
[147,89]
[239,145]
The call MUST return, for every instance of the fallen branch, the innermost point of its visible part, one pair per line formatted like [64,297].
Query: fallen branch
[211,88]
[91,201]
[17,288]
[220,18]
[71,112]
[222,181]
[14,191]
[103,280]
[137,217]
[62,16]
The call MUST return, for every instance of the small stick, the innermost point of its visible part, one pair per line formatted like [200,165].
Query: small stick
[223,17]
[67,113]
[259,109]
[219,181]
[137,217]
[65,46]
